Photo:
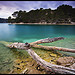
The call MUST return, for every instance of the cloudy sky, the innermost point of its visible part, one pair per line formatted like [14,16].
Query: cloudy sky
[8,7]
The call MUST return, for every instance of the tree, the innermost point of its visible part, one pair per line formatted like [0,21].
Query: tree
[9,19]
[15,14]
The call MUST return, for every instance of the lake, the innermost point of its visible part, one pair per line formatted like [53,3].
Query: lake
[31,33]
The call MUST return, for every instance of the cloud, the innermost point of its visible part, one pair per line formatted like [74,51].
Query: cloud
[8,7]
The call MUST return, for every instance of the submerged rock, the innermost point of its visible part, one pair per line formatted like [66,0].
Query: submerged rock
[40,68]
[65,61]
[53,55]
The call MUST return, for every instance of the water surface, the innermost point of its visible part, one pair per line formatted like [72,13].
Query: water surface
[31,33]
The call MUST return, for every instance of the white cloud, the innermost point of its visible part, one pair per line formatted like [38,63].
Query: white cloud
[5,12]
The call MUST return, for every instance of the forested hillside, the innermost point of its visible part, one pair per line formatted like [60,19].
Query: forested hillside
[63,14]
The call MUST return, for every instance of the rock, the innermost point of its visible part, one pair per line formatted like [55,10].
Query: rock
[22,61]
[53,55]
[34,71]
[9,70]
[17,67]
[72,66]
[18,64]
[17,61]
[40,68]
[53,59]
[58,53]
[65,61]
[33,64]
[29,64]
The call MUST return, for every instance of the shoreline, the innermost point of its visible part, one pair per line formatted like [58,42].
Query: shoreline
[43,23]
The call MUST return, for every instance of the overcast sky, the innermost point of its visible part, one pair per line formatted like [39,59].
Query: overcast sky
[8,7]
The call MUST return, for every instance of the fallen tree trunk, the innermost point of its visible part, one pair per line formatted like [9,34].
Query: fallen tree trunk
[47,40]
[50,67]
[54,48]
[22,46]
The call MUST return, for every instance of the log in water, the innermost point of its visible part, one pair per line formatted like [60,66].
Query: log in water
[48,66]
[34,44]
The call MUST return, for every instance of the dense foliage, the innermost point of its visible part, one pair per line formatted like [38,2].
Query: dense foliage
[63,14]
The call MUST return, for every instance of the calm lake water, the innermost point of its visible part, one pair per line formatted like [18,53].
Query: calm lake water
[31,33]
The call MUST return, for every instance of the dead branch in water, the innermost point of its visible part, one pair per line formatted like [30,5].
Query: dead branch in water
[47,40]
[54,48]
[34,44]
[48,66]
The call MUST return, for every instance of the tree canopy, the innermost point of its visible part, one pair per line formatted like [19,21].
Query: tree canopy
[63,14]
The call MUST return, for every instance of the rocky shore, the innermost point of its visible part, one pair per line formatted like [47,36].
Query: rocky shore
[44,23]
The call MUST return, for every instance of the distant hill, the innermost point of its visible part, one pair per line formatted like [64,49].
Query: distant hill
[63,14]
[2,20]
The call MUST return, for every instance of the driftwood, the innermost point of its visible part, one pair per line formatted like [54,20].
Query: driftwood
[54,48]
[48,40]
[48,66]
